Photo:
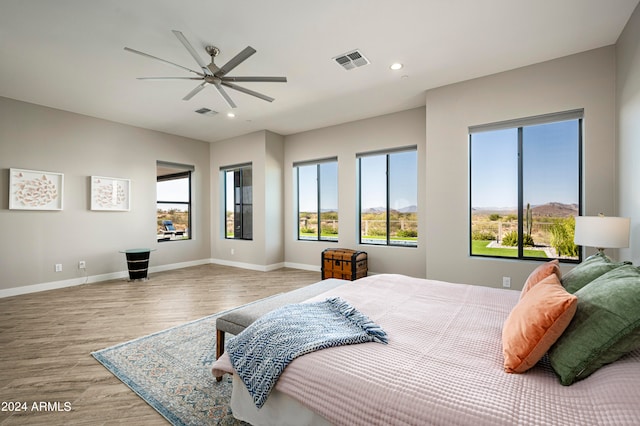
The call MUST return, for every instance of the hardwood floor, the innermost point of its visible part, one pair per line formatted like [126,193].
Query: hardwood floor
[46,338]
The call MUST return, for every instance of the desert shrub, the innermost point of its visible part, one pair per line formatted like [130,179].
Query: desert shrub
[527,240]
[375,231]
[329,230]
[511,239]
[494,216]
[562,234]
[305,230]
[483,235]
[329,216]
[407,233]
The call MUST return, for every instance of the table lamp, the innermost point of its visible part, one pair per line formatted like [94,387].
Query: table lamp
[602,232]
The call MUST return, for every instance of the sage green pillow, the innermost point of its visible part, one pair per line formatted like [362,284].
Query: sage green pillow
[587,271]
[605,327]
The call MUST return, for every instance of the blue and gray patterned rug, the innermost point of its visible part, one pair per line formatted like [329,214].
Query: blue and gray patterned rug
[171,371]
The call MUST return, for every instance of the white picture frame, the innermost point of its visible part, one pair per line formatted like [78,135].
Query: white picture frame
[35,190]
[110,194]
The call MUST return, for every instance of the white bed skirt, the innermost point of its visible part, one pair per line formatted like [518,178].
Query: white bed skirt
[271,413]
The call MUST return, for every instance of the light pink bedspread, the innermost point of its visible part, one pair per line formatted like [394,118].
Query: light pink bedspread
[444,366]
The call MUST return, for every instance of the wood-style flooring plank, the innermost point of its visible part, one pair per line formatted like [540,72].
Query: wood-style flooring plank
[46,338]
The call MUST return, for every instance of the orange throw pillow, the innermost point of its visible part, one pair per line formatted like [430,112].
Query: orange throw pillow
[535,323]
[540,273]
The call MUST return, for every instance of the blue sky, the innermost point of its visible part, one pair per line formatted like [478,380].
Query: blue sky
[173,190]
[550,172]
[550,169]
[308,195]
[403,185]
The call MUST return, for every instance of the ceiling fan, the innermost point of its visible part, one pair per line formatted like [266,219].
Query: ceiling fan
[212,74]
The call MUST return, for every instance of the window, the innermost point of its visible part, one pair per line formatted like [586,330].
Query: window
[525,187]
[317,186]
[388,197]
[238,203]
[173,198]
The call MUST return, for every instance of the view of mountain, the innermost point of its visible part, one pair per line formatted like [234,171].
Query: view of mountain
[408,209]
[553,209]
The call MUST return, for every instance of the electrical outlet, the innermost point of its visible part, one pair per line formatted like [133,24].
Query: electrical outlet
[506,282]
[58,267]
[82,264]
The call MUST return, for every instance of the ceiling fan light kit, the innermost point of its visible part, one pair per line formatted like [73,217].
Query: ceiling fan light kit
[212,74]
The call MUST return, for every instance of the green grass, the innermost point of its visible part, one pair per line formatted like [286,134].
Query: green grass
[373,237]
[479,247]
[313,234]
[384,237]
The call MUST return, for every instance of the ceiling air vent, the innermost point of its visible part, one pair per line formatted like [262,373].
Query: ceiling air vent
[351,60]
[206,111]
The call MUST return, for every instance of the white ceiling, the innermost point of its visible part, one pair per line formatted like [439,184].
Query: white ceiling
[69,54]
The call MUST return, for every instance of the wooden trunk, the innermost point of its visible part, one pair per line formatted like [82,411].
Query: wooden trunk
[345,264]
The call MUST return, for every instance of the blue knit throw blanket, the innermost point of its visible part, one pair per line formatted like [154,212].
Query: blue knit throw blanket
[262,351]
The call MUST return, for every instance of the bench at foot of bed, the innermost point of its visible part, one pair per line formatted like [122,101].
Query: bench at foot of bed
[240,318]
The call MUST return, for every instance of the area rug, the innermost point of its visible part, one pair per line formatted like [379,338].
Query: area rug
[171,371]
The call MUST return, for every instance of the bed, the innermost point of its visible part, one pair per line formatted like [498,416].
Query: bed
[443,365]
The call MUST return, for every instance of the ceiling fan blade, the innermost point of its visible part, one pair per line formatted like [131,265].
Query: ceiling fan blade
[225,95]
[236,60]
[257,79]
[247,91]
[170,78]
[192,93]
[128,49]
[192,51]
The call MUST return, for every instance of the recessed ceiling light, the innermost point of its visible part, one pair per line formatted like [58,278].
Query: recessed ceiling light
[230,115]
[396,66]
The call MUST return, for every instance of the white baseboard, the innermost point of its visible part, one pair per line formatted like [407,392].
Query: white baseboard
[251,266]
[172,266]
[91,279]
[302,266]
[54,285]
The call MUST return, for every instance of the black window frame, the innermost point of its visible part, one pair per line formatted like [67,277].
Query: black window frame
[318,164]
[520,124]
[174,176]
[387,153]
[242,202]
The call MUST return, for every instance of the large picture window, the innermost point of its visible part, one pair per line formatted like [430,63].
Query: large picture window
[525,187]
[317,190]
[238,201]
[173,198]
[388,197]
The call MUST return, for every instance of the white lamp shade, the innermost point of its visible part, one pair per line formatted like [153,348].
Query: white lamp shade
[602,231]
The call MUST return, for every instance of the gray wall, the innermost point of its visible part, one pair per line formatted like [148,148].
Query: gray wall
[264,150]
[628,110]
[40,138]
[346,140]
[585,80]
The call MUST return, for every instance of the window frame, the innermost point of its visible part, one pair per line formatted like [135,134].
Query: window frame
[387,153]
[318,164]
[519,125]
[185,172]
[238,207]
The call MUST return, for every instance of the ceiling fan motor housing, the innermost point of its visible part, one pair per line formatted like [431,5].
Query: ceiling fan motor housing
[212,74]
[212,51]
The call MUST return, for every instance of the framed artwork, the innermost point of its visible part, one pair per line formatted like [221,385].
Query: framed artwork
[35,190]
[111,194]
